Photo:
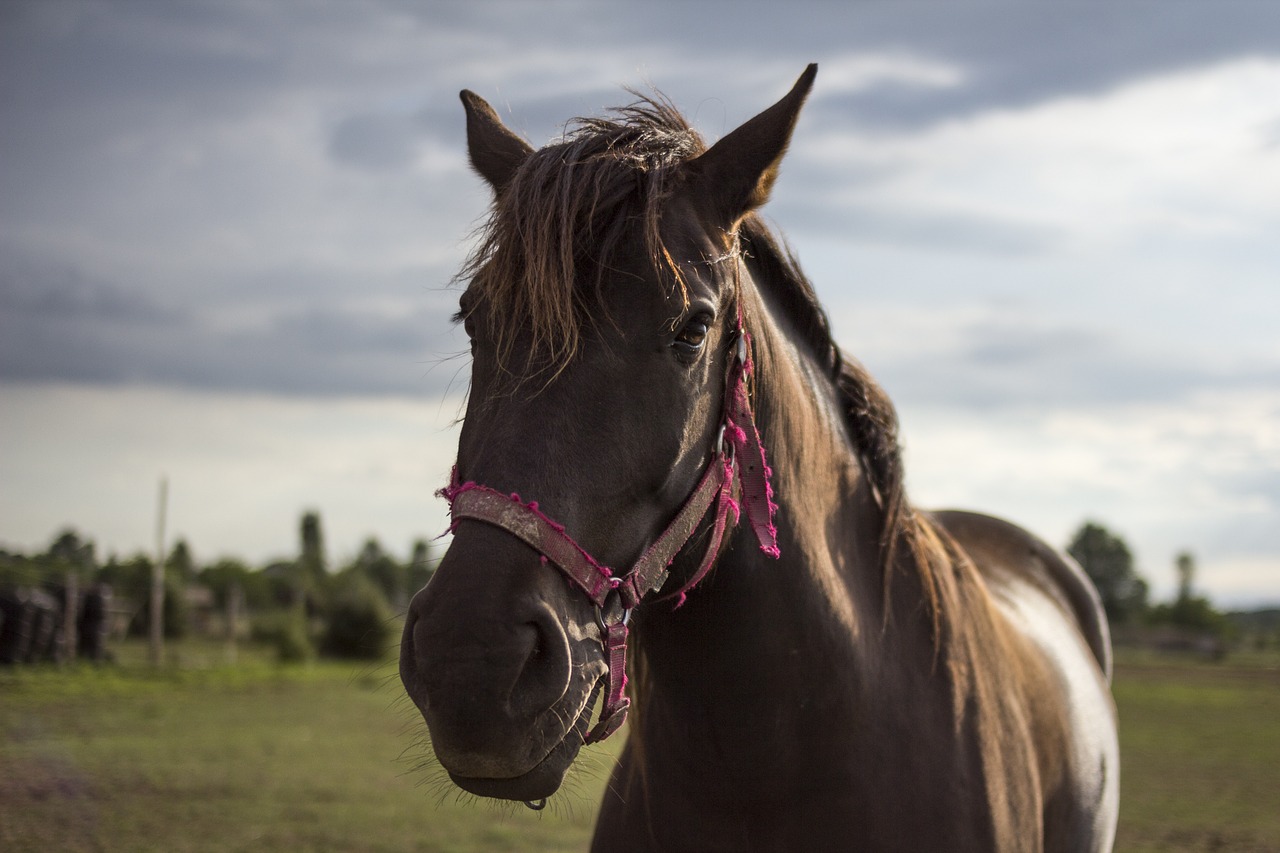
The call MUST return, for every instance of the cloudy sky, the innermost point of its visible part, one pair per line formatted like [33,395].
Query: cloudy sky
[227,232]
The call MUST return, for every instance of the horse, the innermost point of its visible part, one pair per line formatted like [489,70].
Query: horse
[676,497]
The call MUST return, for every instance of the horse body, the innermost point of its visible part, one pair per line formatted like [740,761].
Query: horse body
[818,713]
[892,681]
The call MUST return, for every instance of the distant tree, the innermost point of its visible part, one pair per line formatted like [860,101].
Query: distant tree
[180,562]
[131,581]
[310,572]
[1189,610]
[281,579]
[421,566]
[1185,565]
[70,551]
[358,621]
[420,555]
[312,558]
[1108,562]
[17,570]
[383,571]
[227,572]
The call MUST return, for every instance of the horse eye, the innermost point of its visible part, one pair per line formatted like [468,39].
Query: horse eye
[467,315]
[691,338]
[467,319]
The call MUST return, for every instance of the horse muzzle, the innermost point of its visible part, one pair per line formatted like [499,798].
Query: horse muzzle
[504,681]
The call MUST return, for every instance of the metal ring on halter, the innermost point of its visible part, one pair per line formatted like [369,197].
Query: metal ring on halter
[626,619]
[724,449]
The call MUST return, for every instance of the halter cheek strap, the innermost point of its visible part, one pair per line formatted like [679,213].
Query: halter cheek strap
[737,468]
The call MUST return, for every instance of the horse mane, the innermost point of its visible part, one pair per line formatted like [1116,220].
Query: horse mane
[555,228]
[552,236]
[869,414]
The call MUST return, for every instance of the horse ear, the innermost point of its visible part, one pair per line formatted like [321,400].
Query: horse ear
[735,175]
[496,152]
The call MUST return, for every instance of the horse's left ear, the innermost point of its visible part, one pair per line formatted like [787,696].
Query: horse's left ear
[496,152]
[735,175]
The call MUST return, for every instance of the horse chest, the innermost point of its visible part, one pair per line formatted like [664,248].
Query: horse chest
[813,772]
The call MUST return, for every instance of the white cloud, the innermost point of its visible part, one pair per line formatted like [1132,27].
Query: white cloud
[862,71]
[1183,155]
[1167,477]
[241,468]
[1239,581]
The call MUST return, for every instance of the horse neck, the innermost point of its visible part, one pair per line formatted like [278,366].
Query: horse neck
[759,624]
[828,518]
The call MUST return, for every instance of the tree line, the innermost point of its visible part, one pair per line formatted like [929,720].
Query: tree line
[55,603]
[303,606]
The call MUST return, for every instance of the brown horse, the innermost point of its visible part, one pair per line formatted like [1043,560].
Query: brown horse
[815,665]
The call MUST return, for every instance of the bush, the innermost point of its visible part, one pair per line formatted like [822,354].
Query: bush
[286,630]
[359,622]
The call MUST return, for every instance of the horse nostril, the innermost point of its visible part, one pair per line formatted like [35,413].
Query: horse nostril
[544,675]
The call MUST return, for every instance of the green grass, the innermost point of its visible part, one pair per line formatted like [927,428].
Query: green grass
[202,756]
[320,757]
[1199,754]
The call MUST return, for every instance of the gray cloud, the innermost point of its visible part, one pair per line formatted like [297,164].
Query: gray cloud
[1010,362]
[313,354]
[1016,55]
[224,185]
[378,141]
[58,324]
[59,291]
[860,222]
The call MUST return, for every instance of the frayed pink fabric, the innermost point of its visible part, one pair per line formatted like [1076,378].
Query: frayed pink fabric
[749,452]
[455,488]
[725,504]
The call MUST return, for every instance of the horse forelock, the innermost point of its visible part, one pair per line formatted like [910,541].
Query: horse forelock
[554,231]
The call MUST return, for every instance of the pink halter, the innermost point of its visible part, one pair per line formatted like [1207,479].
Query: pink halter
[737,469]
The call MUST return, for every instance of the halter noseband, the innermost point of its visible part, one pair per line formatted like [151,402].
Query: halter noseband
[738,469]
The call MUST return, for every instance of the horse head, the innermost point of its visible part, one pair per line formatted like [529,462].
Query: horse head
[605,313]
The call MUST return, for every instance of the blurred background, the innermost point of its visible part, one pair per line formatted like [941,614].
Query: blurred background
[228,232]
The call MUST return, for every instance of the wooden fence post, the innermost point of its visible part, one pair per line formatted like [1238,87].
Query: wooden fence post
[157,579]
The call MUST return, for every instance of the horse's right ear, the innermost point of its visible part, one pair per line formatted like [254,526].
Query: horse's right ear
[734,176]
[496,152]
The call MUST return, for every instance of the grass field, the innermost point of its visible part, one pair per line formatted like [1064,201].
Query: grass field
[201,756]
[1200,754]
[256,757]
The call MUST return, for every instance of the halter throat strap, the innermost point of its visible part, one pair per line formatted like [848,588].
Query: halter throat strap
[738,468]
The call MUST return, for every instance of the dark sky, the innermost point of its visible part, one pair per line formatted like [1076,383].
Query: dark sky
[267,196]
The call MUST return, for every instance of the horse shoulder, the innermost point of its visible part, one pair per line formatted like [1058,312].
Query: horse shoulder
[1045,598]
[1009,557]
